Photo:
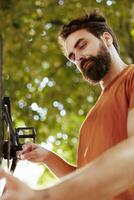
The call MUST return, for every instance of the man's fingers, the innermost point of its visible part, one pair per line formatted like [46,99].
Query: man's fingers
[11,181]
[27,147]
[12,195]
[15,189]
[8,196]
[28,156]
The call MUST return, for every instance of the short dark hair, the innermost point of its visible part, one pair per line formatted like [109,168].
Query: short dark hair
[93,23]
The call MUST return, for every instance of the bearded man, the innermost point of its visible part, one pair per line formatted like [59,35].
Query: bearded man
[105,162]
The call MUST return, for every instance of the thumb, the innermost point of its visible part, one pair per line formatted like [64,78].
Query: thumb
[27,147]
[28,156]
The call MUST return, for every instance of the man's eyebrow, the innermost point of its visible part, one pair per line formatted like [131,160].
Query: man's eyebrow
[77,42]
[75,45]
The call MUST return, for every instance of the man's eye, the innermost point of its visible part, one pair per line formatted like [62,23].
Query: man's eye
[82,46]
[72,58]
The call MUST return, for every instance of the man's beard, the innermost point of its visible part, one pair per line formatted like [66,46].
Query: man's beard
[99,65]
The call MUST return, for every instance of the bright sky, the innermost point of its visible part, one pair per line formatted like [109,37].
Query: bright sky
[28,172]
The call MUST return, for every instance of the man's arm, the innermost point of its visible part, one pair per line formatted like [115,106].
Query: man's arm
[58,165]
[102,179]
[36,153]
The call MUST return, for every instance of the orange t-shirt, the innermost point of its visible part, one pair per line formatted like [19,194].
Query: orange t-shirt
[106,123]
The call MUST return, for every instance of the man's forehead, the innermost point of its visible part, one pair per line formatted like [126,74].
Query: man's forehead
[74,37]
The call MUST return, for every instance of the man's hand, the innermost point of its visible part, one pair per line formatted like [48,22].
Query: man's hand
[15,189]
[33,152]
[37,154]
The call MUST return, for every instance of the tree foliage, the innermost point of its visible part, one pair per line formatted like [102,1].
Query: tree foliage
[46,90]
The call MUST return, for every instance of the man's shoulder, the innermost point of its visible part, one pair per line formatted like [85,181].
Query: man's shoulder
[130,67]
[129,75]
[129,70]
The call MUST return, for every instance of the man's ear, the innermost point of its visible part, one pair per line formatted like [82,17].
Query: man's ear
[107,39]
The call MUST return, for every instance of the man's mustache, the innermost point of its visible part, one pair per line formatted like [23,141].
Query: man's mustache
[84,61]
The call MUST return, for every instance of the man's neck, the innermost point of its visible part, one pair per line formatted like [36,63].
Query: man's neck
[116,67]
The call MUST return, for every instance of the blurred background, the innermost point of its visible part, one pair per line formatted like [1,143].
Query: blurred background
[46,90]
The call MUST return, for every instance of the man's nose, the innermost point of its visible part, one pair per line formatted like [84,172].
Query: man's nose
[79,59]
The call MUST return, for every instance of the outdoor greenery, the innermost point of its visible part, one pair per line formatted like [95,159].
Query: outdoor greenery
[45,89]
